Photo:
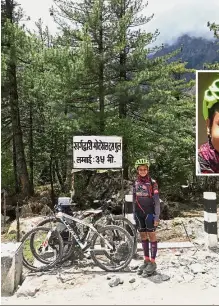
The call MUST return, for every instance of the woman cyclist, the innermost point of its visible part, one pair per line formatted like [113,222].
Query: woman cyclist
[146,204]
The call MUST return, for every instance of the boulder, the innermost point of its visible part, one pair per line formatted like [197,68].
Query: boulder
[2,219]
[26,224]
[11,267]
[115,282]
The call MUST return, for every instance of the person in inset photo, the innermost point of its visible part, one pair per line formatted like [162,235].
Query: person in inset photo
[208,153]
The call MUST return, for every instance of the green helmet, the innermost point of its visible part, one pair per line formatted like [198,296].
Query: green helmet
[211,97]
[141,162]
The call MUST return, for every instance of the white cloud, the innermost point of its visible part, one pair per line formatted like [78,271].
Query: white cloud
[37,9]
[172,17]
[176,17]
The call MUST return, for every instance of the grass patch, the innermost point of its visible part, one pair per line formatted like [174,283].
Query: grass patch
[12,237]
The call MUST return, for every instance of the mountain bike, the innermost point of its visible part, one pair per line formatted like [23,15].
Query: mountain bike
[111,242]
[98,217]
[41,242]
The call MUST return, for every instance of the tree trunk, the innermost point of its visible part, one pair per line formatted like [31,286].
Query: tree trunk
[31,147]
[18,137]
[15,114]
[122,100]
[65,154]
[64,161]
[17,184]
[51,170]
[101,74]
[122,78]
[59,176]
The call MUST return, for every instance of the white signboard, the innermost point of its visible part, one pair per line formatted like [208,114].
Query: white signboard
[97,152]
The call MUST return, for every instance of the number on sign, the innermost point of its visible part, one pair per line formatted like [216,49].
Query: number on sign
[100,159]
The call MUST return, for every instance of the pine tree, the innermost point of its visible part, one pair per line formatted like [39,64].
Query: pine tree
[11,34]
[215,28]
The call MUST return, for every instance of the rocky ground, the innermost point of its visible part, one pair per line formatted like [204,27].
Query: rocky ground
[184,277]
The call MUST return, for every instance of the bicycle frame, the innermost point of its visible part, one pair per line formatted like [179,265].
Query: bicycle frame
[44,244]
[62,216]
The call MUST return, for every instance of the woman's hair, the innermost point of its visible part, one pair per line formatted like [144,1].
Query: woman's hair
[211,113]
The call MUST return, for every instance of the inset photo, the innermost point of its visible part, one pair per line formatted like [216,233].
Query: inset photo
[207,122]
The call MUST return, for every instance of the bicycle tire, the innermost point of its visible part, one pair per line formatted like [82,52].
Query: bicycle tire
[51,264]
[132,230]
[72,244]
[92,251]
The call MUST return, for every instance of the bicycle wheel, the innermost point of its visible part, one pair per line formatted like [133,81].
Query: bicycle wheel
[68,240]
[114,246]
[47,242]
[127,224]
[120,221]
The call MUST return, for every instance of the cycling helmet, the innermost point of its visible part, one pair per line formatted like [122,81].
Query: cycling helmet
[211,97]
[141,162]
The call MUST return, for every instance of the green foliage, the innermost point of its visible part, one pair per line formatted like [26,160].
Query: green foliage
[215,28]
[97,77]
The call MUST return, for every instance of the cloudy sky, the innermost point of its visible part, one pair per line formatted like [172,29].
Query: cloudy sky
[172,17]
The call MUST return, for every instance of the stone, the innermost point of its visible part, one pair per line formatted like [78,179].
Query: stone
[64,278]
[188,277]
[27,291]
[197,268]
[159,278]
[110,276]
[175,263]
[61,278]
[179,278]
[2,219]
[114,282]
[208,257]
[165,277]
[11,267]
[185,270]
[26,224]
[214,283]
[184,262]
[132,280]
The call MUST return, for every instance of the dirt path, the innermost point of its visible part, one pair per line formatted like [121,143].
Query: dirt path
[183,278]
[142,292]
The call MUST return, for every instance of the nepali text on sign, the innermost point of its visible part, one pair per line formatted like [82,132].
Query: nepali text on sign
[97,152]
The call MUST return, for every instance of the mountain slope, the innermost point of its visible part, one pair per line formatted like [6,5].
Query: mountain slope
[195,50]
